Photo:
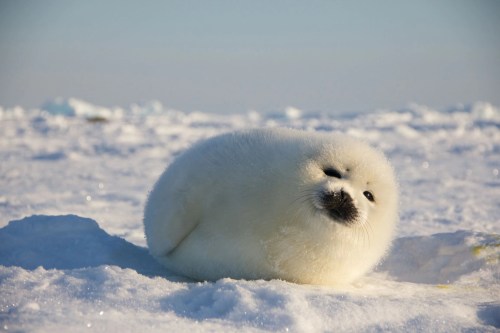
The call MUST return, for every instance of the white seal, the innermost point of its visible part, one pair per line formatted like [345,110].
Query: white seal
[316,208]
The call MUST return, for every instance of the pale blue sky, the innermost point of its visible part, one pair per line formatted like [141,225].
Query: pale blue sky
[232,56]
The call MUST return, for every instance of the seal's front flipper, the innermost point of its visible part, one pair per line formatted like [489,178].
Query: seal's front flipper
[169,218]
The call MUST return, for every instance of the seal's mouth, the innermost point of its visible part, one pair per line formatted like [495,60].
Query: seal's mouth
[338,205]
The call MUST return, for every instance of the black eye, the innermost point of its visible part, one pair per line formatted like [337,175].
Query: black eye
[330,172]
[369,195]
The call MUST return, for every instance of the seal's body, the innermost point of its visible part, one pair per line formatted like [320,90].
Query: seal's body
[274,203]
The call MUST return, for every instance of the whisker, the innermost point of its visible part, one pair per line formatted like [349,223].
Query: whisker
[304,196]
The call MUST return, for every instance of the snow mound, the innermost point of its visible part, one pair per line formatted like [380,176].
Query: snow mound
[69,242]
[442,258]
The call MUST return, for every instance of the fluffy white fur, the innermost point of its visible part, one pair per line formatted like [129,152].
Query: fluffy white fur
[245,205]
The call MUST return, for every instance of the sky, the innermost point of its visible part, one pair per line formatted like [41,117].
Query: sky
[235,56]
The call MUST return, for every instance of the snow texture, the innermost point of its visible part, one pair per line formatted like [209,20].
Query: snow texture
[74,178]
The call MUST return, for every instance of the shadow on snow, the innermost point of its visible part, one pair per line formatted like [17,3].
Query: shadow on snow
[70,242]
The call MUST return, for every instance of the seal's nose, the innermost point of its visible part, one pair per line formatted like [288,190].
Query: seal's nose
[336,198]
[340,206]
[344,195]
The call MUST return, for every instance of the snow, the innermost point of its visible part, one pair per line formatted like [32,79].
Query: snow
[74,178]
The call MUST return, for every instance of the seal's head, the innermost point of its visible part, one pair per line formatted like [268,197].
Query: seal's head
[346,199]
[351,182]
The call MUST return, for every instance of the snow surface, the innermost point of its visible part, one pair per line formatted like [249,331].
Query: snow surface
[74,178]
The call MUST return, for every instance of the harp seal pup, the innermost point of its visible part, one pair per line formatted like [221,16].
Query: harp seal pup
[306,207]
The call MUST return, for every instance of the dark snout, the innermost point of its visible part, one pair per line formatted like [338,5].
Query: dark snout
[340,206]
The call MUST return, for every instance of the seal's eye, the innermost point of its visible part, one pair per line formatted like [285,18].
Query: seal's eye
[330,172]
[369,196]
